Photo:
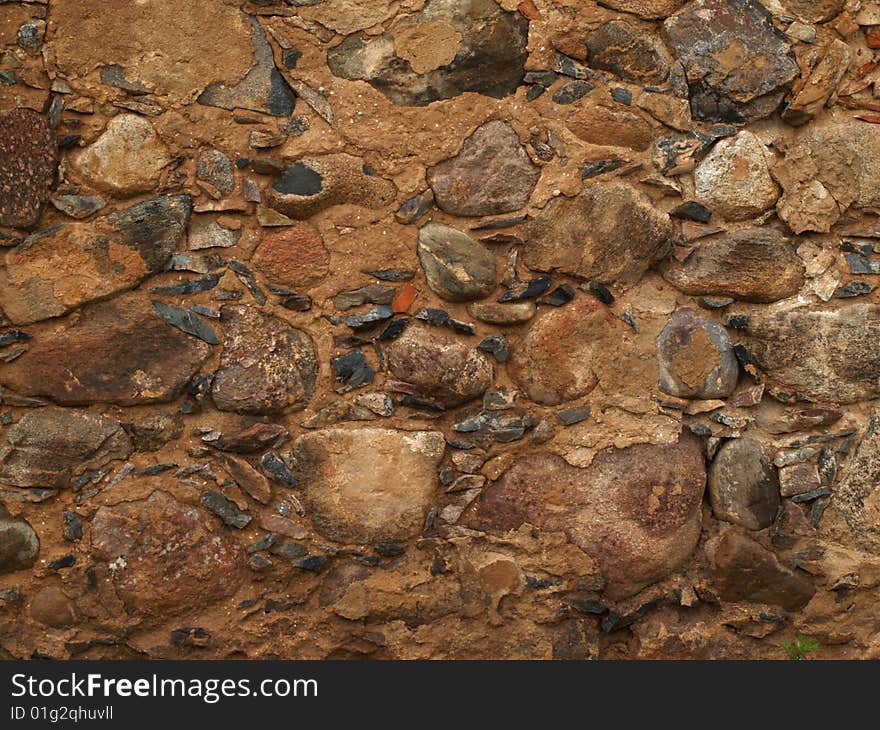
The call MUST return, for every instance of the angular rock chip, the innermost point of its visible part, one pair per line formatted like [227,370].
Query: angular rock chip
[744,485]
[294,256]
[313,184]
[817,353]
[634,510]
[610,232]
[827,170]
[50,446]
[368,485]
[817,86]
[440,367]
[743,570]
[19,544]
[738,65]
[266,365]
[492,174]
[63,267]
[120,351]
[27,167]
[696,357]
[411,64]
[734,178]
[263,88]
[751,265]
[457,267]
[162,556]
[553,361]
[629,52]
[857,496]
[128,158]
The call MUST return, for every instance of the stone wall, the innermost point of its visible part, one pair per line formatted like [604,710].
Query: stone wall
[439,328]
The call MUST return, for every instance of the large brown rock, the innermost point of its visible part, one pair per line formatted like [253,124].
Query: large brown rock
[457,267]
[368,485]
[648,9]
[162,555]
[293,256]
[119,351]
[630,52]
[50,446]
[27,167]
[744,485]
[59,269]
[553,361]
[743,570]
[817,353]
[19,544]
[610,232]
[492,174]
[751,265]
[635,510]
[266,365]
[857,497]
[440,367]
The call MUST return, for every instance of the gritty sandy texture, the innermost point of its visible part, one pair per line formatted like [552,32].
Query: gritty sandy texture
[428,329]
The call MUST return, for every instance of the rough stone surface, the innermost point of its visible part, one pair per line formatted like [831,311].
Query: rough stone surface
[629,52]
[635,510]
[611,232]
[367,495]
[438,366]
[128,158]
[19,544]
[751,265]
[457,267]
[492,174]
[50,446]
[161,555]
[696,357]
[294,256]
[27,167]
[57,270]
[119,351]
[650,9]
[734,178]
[266,365]
[743,484]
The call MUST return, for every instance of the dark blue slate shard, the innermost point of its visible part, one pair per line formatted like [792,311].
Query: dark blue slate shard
[186,322]
[191,286]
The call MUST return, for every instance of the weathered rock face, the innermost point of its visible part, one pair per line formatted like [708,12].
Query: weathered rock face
[738,66]
[696,357]
[57,270]
[752,265]
[50,446]
[815,89]
[829,169]
[743,484]
[19,544]
[734,178]
[746,571]
[635,510]
[649,9]
[162,556]
[457,267]
[439,367]
[817,353]
[27,167]
[293,257]
[629,52]
[369,485]
[411,63]
[611,232]
[119,352]
[266,365]
[492,174]
[127,159]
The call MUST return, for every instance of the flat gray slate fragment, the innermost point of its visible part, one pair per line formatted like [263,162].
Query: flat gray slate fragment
[186,322]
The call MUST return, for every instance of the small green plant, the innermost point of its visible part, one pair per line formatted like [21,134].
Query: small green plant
[800,647]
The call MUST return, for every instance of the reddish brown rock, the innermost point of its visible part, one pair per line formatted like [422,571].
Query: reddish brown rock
[293,257]
[51,607]
[492,174]
[19,544]
[59,269]
[751,265]
[369,485]
[249,479]
[611,125]
[743,570]
[47,447]
[635,510]
[266,365]
[27,167]
[162,556]
[630,52]
[439,367]
[610,232]
[119,351]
